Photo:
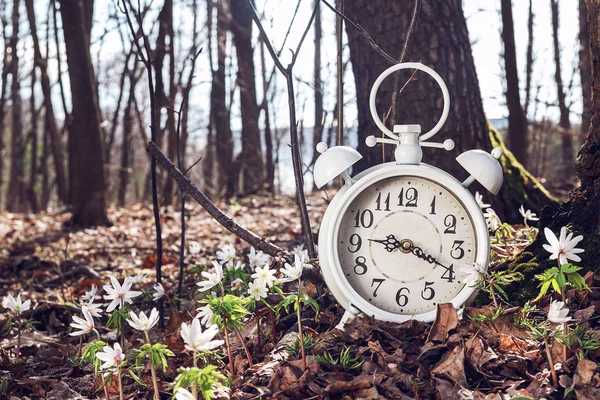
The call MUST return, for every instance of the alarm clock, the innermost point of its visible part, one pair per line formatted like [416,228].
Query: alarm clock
[394,238]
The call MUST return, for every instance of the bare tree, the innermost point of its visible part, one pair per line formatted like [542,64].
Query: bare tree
[86,164]
[125,170]
[33,139]
[567,170]
[318,128]
[529,60]
[3,84]
[585,69]
[55,140]
[15,198]
[517,122]
[250,160]
[270,165]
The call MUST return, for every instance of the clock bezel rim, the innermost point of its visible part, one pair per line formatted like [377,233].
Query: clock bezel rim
[328,249]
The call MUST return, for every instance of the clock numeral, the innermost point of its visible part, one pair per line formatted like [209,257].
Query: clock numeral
[450,224]
[432,206]
[448,274]
[356,241]
[411,196]
[428,293]
[402,299]
[364,219]
[361,267]
[377,281]
[457,251]
[386,202]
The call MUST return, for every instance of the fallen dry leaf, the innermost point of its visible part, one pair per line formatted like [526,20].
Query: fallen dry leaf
[446,320]
[452,367]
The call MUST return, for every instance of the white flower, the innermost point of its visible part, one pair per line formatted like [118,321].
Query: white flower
[196,340]
[265,275]
[237,266]
[139,278]
[142,322]
[183,394]
[258,258]
[292,272]
[205,315]
[474,272]
[16,305]
[528,215]
[91,294]
[257,289]
[562,248]
[479,200]
[493,220]
[212,278]
[558,314]
[112,357]
[95,309]
[119,294]
[159,292]
[226,254]
[194,248]
[84,325]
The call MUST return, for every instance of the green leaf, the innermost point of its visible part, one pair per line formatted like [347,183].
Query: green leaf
[562,281]
[555,285]
[543,290]
[569,268]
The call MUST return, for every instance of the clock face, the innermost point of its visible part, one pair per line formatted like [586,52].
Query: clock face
[401,244]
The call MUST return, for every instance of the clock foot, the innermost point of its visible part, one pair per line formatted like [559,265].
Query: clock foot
[350,314]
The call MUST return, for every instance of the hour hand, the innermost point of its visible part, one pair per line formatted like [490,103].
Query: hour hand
[390,242]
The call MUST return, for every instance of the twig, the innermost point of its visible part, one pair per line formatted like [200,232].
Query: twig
[147,61]
[364,33]
[188,187]
[340,73]
[296,161]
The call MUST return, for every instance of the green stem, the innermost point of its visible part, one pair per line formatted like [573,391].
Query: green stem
[492,294]
[248,356]
[226,334]
[153,370]
[121,397]
[552,370]
[19,343]
[195,383]
[300,329]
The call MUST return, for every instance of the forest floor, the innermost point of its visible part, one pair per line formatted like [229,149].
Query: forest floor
[486,355]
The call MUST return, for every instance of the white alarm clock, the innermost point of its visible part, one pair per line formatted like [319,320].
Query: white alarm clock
[395,237]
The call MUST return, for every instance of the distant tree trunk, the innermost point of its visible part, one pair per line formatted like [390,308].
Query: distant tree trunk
[86,165]
[585,69]
[45,188]
[15,198]
[440,41]
[270,166]
[3,86]
[318,128]
[567,169]
[581,214]
[517,122]
[33,158]
[55,139]
[529,61]
[125,170]
[219,109]
[250,159]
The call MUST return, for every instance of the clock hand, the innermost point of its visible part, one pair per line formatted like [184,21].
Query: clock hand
[417,251]
[390,242]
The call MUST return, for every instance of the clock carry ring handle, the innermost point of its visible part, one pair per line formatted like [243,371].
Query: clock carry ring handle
[420,67]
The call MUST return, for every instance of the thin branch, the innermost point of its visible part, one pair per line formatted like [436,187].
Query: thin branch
[310,21]
[188,187]
[340,73]
[266,40]
[364,33]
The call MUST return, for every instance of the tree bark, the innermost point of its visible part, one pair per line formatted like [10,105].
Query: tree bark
[55,139]
[517,122]
[581,213]
[3,86]
[15,198]
[86,165]
[318,126]
[250,159]
[440,41]
[33,157]
[567,171]
[220,115]
[529,61]
[585,69]
[125,170]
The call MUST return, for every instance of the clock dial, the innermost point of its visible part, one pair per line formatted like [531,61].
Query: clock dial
[402,242]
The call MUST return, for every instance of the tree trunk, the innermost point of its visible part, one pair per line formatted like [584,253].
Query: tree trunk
[567,171]
[15,198]
[55,140]
[517,122]
[440,41]
[581,214]
[3,86]
[45,188]
[270,166]
[170,101]
[125,170]
[250,159]
[318,127]
[219,109]
[33,158]
[86,165]
[529,61]
[585,69]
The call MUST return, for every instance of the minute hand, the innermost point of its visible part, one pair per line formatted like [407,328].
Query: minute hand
[417,251]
